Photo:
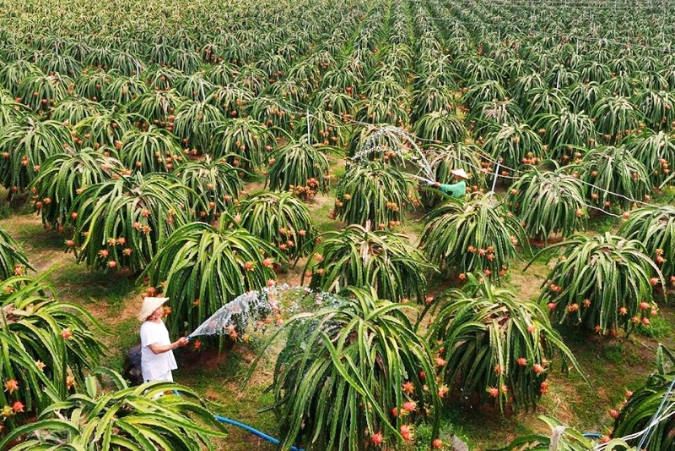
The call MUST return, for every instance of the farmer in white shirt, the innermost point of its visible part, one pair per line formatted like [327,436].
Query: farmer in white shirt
[157,360]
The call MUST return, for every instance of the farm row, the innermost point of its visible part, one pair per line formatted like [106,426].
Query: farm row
[134,132]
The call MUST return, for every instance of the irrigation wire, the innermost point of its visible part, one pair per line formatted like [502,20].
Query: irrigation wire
[308,112]
[656,419]
[412,139]
[656,415]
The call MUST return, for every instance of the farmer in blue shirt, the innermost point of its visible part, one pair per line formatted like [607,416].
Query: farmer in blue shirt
[457,189]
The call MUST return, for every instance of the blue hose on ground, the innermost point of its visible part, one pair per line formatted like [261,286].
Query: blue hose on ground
[247,428]
[252,431]
[592,435]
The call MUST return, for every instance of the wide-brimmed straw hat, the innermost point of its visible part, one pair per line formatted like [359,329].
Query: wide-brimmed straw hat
[149,306]
[460,173]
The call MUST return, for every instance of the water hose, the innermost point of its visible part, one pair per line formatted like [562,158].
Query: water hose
[423,179]
[592,435]
[252,431]
[247,428]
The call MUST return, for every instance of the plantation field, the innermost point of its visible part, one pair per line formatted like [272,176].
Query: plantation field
[199,150]
[613,366]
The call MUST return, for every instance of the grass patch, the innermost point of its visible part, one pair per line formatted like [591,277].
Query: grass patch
[32,236]
[604,223]
[486,429]
[612,366]
[614,353]
[413,225]
[219,378]
[92,287]
[320,209]
[338,170]
[659,327]
[6,211]
[123,336]
[664,196]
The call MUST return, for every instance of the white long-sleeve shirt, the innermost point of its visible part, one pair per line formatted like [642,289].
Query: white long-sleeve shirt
[154,365]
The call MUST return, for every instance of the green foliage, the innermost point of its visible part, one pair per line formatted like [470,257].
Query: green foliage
[545,101]
[565,133]
[154,107]
[476,235]
[523,85]
[104,129]
[185,60]
[562,438]
[325,128]
[203,268]
[196,86]
[74,109]
[594,71]
[194,123]
[151,150]
[654,227]
[281,219]
[373,192]
[12,260]
[514,145]
[344,369]
[495,346]
[560,76]
[64,175]
[13,73]
[91,83]
[25,145]
[383,110]
[584,96]
[657,108]
[490,116]
[614,176]
[47,346]
[360,257]
[433,98]
[548,203]
[656,151]
[615,117]
[476,68]
[41,92]
[623,84]
[601,283]
[274,114]
[440,127]
[243,142]
[335,99]
[124,89]
[10,110]
[382,143]
[300,167]
[483,92]
[232,97]
[652,399]
[124,222]
[123,418]
[214,187]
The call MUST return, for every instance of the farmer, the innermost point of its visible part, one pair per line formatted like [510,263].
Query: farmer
[457,189]
[157,358]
